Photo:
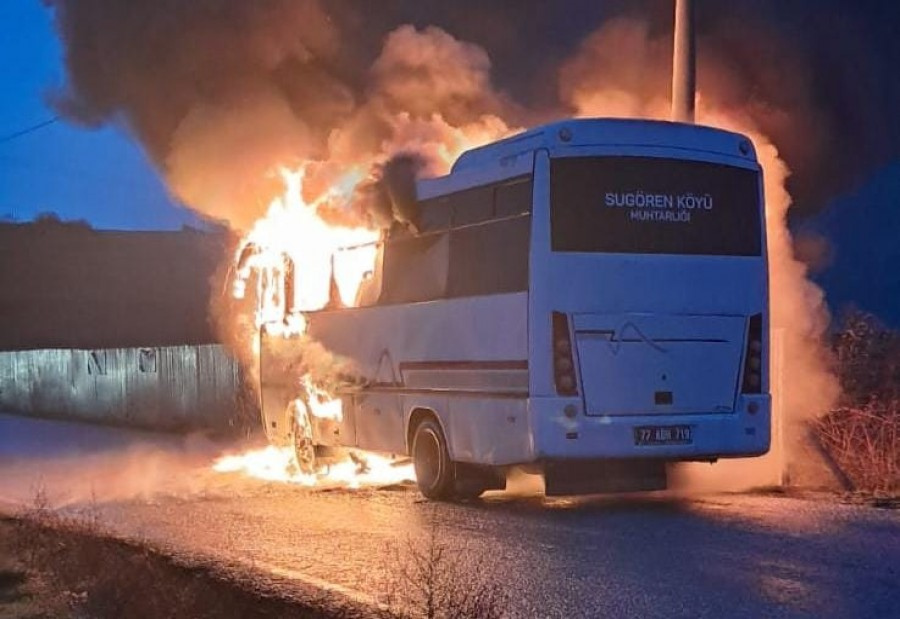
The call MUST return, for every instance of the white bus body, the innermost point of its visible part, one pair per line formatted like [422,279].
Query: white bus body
[589,297]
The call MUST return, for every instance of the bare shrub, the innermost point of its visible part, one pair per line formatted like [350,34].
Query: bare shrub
[433,579]
[865,442]
[863,434]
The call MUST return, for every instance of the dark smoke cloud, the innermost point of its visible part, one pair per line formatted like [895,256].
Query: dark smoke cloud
[821,80]
[277,77]
[241,86]
[152,61]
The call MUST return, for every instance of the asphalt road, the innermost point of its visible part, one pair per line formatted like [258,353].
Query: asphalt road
[723,555]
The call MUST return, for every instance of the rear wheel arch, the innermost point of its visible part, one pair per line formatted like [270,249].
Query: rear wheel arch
[416,417]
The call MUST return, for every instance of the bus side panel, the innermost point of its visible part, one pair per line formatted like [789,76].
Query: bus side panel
[276,390]
[427,353]
[378,422]
[379,340]
[493,431]
[276,421]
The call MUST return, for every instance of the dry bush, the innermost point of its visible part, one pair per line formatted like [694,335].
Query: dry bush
[433,579]
[865,442]
[863,435]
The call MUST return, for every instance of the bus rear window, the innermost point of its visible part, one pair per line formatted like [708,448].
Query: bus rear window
[644,205]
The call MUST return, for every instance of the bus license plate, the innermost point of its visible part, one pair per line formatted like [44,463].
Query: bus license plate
[663,435]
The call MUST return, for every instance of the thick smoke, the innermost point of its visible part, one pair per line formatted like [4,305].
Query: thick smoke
[394,191]
[223,93]
[219,93]
[428,94]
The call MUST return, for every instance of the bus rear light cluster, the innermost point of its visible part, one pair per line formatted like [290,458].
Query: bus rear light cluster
[753,359]
[563,363]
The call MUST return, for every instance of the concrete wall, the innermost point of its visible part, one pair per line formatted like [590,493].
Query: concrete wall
[166,388]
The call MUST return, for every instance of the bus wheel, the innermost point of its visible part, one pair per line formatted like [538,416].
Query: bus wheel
[434,471]
[302,437]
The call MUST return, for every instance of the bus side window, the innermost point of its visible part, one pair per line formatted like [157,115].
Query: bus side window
[513,198]
[472,206]
[491,258]
[415,269]
[435,214]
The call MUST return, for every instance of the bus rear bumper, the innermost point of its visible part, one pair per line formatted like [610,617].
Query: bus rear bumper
[742,433]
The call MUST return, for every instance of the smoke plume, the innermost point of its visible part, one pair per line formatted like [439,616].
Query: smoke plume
[224,93]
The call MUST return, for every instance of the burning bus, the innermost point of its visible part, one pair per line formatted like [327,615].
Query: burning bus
[588,299]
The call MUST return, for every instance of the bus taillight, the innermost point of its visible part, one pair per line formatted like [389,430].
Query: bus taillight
[753,359]
[563,363]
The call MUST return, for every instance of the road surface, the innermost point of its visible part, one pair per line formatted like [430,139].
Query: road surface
[724,555]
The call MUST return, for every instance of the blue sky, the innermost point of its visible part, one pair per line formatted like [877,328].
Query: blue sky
[98,175]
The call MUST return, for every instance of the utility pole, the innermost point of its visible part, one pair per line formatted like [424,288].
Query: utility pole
[684,63]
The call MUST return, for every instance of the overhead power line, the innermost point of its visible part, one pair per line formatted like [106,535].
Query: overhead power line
[23,132]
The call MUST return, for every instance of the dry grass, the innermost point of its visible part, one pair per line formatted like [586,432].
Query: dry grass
[863,435]
[24,594]
[865,443]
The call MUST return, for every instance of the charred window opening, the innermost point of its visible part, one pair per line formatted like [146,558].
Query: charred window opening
[147,360]
[289,296]
[473,242]
[370,285]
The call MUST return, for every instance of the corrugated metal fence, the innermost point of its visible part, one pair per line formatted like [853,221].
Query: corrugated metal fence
[166,388]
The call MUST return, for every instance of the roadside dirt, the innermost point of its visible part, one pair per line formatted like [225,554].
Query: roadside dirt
[52,567]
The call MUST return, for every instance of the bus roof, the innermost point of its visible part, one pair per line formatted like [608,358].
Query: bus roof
[611,132]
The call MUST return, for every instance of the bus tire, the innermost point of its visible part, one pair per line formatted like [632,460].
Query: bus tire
[302,438]
[434,470]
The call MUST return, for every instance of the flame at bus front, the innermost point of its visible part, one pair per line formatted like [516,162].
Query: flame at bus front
[294,260]
[293,252]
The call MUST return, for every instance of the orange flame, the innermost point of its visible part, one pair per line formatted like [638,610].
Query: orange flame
[293,229]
